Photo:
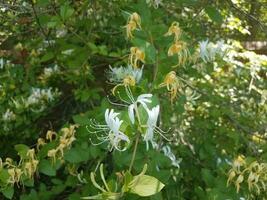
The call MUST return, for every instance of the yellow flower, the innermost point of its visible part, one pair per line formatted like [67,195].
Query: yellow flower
[50,135]
[174,29]
[52,154]
[231,175]
[31,154]
[14,175]
[40,142]
[179,48]
[136,55]
[30,168]
[9,162]
[239,162]
[172,83]
[134,22]
[238,181]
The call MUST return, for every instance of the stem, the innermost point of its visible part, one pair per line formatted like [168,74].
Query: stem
[134,152]
[136,141]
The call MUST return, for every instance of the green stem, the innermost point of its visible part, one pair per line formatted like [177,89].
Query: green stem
[134,152]
[136,141]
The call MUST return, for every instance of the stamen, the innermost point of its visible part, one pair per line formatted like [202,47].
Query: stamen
[123,100]
[159,132]
[95,144]
[114,103]
[130,94]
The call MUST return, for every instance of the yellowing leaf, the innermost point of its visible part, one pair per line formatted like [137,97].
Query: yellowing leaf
[145,185]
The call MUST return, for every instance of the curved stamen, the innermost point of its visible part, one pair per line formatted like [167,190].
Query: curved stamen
[159,132]
[156,127]
[116,104]
[129,93]
[95,144]
[94,123]
[123,100]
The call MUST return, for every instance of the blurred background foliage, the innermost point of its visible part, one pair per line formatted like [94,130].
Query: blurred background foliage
[54,57]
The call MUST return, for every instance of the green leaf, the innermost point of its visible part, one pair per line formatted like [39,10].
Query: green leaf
[214,14]
[8,192]
[66,11]
[22,150]
[76,155]
[145,185]
[46,167]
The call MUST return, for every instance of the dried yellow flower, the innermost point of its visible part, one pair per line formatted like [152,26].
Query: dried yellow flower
[50,135]
[134,22]
[180,49]
[40,142]
[136,55]
[172,83]
[174,29]
[52,154]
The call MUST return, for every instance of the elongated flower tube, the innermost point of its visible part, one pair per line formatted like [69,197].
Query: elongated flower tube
[112,130]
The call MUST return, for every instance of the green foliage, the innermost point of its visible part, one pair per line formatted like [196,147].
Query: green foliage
[70,62]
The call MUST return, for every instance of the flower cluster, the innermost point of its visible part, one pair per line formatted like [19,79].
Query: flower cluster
[38,97]
[255,174]
[178,47]
[26,168]
[111,131]
[208,50]
[65,142]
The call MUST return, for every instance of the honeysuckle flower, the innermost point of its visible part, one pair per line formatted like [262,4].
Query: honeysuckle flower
[8,116]
[134,22]
[50,135]
[152,126]
[172,83]
[120,74]
[168,153]
[180,49]
[208,50]
[136,55]
[40,142]
[175,30]
[143,99]
[238,162]
[112,130]
[14,175]
[154,3]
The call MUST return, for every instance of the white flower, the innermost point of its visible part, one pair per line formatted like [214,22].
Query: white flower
[1,63]
[117,74]
[151,124]
[49,71]
[168,153]
[132,104]
[112,129]
[39,95]
[8,116]
[208,50]
[143,99]
[154,3]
